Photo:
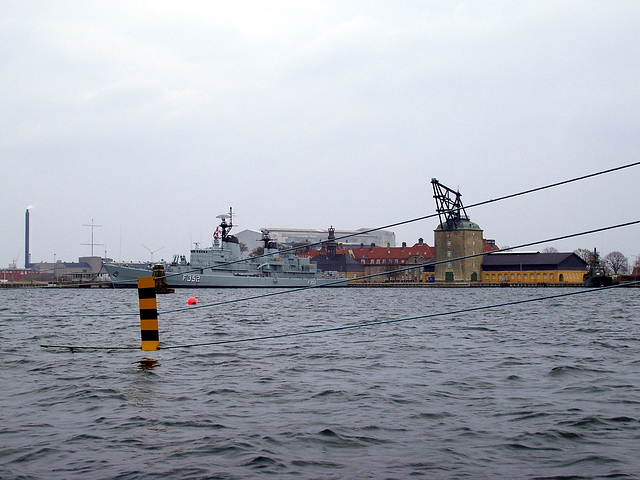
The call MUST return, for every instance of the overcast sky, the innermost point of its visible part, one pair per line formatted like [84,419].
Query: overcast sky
[151,118]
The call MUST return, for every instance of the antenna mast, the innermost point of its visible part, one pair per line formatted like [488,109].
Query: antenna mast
[92,225]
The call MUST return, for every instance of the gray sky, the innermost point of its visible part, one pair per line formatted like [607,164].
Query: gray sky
[151,118]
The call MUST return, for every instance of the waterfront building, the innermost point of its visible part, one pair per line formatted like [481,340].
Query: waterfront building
[14,274]
[456,237]
[380,260]
[462,240]
[533,268]
[86,269]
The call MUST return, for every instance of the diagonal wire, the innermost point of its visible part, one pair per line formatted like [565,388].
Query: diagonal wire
[404,222]
[359,325]
[397,320]
[309,287]
[327,285]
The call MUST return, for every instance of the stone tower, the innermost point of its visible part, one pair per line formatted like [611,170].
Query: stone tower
[455,237]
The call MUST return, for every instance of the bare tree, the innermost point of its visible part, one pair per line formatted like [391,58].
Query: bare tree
[636,264]
[616,262]
[591,257]
[550,250]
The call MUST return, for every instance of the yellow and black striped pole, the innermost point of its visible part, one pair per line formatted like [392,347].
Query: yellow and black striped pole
[148,313]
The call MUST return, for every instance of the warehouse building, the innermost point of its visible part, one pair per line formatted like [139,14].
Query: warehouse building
[533,268]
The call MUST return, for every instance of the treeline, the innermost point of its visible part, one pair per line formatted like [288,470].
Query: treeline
[614,263]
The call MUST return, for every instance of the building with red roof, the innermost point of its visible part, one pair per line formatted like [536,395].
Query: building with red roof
[373,262]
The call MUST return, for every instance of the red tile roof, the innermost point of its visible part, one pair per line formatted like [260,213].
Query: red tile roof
[380,253]
[399,253]
[490,247]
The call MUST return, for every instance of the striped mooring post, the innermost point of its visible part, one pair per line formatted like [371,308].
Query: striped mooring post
[148,313]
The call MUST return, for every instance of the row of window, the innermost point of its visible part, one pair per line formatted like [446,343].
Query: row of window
[570,276]
[15,273]
[376,261]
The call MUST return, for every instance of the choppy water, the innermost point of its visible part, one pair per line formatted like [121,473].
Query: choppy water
[541,390]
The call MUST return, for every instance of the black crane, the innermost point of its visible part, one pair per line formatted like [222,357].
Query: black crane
[448,205]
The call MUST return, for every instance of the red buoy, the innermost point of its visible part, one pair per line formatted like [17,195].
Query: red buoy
[192,301]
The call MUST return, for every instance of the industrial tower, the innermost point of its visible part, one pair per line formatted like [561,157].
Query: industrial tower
[455,237]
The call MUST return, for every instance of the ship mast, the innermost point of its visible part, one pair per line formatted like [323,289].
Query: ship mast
[226,227]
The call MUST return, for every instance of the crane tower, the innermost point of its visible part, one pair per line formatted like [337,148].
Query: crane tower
[455,237]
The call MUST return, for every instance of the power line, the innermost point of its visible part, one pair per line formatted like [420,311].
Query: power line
[416,219]
[354,326]
[485,202]
[412,267]
[287,291]
[396,320]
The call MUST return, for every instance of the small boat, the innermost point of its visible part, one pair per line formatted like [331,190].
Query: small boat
[222,265]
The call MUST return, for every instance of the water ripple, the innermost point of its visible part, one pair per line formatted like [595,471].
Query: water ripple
[536,391]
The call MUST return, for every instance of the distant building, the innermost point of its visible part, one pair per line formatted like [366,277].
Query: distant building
[377,261]
[251,239]
[384,264]
[533,267]
[86,269]
[14,274]
[633,277]
[465,240]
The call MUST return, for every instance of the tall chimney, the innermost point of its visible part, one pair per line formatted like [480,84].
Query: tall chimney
[27,255]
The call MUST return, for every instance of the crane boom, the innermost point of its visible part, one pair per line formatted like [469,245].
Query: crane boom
[448,205]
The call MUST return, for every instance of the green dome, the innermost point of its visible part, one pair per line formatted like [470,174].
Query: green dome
[462,225]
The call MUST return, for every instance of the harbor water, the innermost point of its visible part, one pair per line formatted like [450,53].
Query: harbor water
[548,389]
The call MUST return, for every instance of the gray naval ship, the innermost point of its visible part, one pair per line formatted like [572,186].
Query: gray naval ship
[222,265]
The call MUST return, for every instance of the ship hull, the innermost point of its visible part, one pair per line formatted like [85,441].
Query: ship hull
[124,276]
[600,281]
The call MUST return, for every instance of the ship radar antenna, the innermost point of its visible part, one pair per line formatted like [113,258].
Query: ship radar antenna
[266,238]
[448,205]
[224,226]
